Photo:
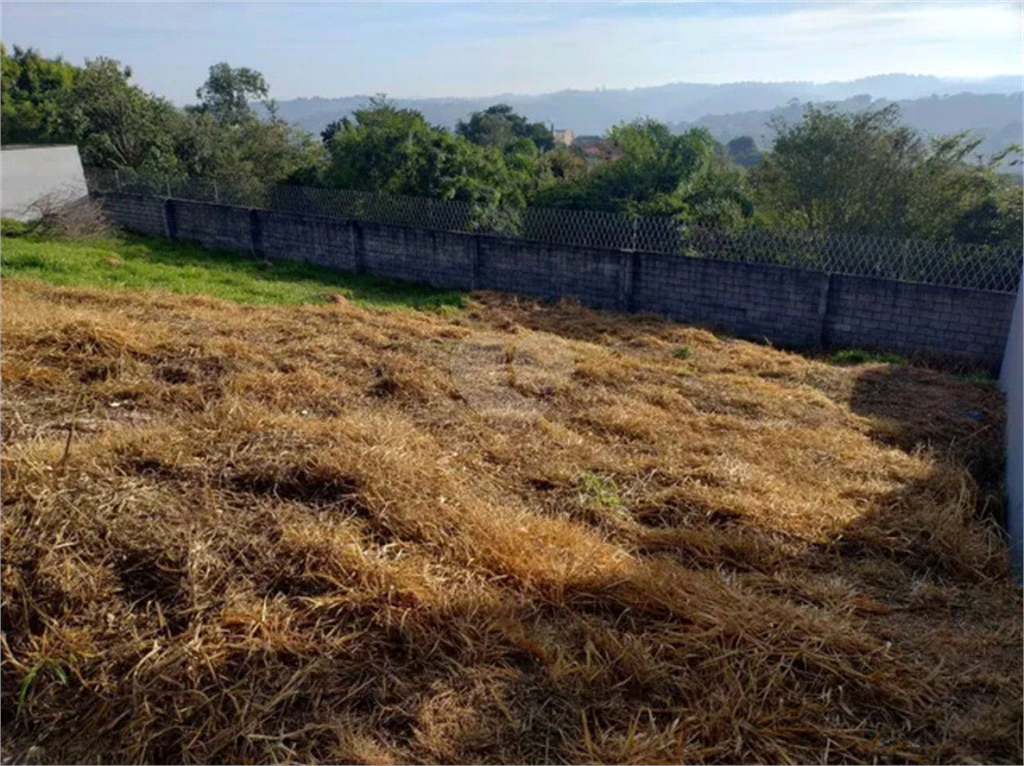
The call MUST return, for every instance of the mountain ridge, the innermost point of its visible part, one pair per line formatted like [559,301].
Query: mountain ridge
[595,110]
[991,107]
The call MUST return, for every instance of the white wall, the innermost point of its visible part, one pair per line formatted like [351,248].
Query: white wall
[31,172]
[1012,382]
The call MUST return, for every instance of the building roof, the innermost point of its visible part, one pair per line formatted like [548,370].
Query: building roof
[14,147]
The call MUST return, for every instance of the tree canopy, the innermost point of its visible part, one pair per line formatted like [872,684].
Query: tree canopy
[500,126]
[867,173]
[386,149]
[227,92]
[658,173]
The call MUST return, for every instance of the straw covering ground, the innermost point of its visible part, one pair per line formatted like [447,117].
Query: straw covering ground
[279,534]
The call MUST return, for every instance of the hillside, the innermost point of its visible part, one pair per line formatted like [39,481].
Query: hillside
[997,117]
[593,112]
[238,533]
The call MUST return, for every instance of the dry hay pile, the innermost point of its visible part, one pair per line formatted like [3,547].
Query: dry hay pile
[282,535]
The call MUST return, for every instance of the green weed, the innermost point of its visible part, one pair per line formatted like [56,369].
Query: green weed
[860,356]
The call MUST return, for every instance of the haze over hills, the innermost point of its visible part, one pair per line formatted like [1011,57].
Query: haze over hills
[996,116]
[721,108]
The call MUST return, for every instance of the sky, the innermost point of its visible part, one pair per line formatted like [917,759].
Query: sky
[471,49]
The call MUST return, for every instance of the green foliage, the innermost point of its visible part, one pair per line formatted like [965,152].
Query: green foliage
[861,173]
[500,126]
[118,126]
[867,173]
[743,152]
[143,263]
[599,491]
[860,356]
[979,379]
[33,91]
[657,173]
[395,151]
[683,352]
[54,666]
[227,91]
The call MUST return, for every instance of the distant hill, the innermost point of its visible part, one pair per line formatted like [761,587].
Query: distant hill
[996,116]
[594,111]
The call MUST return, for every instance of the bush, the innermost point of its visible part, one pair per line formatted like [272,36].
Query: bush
[58,216]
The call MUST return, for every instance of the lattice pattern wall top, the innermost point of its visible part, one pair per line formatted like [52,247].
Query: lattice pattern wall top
[980,267]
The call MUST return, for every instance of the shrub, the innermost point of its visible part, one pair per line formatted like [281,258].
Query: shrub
[58,216]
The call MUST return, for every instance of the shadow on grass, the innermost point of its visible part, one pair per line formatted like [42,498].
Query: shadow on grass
[961,421]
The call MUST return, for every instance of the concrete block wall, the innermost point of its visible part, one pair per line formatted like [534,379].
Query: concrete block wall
[137,213]
[1011,379]
[438,258]
[752,300]
[296,237]
[908,317]
[789,307]
[590,275]
[220,227]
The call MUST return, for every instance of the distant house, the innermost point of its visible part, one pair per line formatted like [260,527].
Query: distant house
[564,137]
[31,172]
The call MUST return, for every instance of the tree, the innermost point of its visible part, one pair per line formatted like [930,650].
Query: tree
[500,126]
[386,149]
[657,173]
[868,173]
[32,97]
[329,132]
[115,123]
[227,92]
[743,151]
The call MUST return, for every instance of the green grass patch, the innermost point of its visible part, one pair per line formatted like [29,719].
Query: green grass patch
[600,491]
[979,378]
[683,352]
[9,227]
[860,356]
[143,263]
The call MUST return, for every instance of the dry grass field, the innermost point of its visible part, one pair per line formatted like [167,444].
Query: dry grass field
[279,534]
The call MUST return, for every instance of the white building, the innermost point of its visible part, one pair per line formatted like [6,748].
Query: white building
[31,172]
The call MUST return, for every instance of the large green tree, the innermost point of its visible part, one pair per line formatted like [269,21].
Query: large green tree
[116,124]
[500,125]
[386,149]
[227,93]
[868,173]
[33,92]
[655,172]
